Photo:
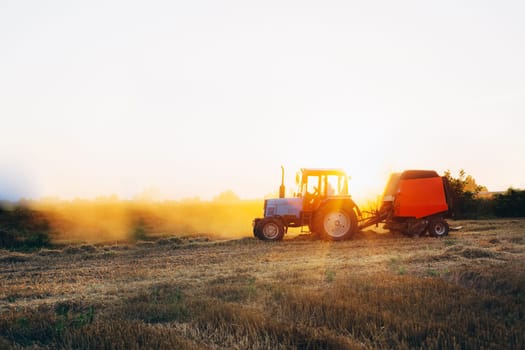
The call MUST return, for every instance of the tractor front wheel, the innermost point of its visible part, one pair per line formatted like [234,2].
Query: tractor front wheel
[269,229]
[335,223]
[438,228]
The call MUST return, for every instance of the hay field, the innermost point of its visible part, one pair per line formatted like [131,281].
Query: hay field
[374,291]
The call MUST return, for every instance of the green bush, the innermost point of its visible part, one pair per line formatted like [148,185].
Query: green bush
[24,229]
[510,204]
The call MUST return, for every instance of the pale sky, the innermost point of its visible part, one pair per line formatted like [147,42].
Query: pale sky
[191,98]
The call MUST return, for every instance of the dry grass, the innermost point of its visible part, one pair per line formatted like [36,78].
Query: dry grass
[374,291]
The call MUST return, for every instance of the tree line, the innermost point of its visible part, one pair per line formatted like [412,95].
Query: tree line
[468,204]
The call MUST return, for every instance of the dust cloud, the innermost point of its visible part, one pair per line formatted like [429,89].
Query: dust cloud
[116,220]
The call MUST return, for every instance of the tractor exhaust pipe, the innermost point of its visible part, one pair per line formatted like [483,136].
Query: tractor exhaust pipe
[282,189]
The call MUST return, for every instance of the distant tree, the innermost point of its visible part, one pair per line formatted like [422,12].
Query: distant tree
[150,194]
[510,204]
[226,196]
[472,186]
[464,195]
[463,183]
[467,203]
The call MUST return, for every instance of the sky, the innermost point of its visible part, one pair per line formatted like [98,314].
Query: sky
[186,99]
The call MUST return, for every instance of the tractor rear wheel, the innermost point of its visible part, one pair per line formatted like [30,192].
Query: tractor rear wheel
[438,228]
[335,223]
[269,229]
[256,222]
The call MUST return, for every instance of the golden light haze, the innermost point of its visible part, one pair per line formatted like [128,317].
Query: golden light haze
[111,220]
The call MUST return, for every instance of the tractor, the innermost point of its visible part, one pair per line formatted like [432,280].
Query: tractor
[322,204]
[414,202]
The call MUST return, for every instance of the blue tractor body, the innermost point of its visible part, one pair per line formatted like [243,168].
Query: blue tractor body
[283,207]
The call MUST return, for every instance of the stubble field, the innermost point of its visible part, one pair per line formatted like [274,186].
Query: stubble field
[376,290]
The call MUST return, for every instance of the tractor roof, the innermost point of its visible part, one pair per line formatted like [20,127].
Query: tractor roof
[322,171]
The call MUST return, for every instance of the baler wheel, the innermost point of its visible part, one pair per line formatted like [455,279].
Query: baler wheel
[438,228]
